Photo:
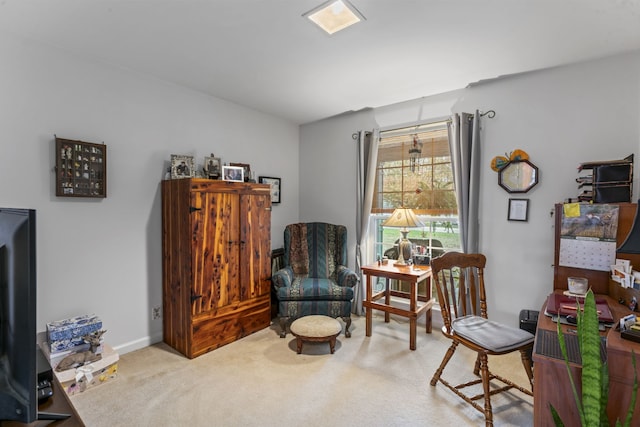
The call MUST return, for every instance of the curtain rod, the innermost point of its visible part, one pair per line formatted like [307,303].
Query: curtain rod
[356,135]
[490,114]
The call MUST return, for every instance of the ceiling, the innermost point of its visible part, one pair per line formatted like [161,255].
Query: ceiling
[263,54]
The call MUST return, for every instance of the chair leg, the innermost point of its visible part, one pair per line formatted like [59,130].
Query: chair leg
[476,368]
[526,362]
[484,369]
[347,321]
[283,326]
[444,362]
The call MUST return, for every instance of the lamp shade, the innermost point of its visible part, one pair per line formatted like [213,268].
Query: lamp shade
[403,218]
[631,245]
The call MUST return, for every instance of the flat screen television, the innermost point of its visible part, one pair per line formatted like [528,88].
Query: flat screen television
[18,372]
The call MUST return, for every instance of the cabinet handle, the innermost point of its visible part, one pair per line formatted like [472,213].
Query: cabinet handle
[193,209]
[195,297]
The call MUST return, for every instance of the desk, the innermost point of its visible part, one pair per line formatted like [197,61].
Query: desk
[551,380]
[403,273]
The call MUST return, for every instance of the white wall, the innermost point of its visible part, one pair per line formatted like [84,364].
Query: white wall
[561,117]
[103,256]
[328,171]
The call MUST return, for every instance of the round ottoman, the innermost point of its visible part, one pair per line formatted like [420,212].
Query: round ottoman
[316,328]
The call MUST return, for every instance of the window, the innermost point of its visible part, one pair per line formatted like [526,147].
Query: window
[414,170]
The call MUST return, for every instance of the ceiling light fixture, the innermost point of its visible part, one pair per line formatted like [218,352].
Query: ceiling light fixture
[334,15]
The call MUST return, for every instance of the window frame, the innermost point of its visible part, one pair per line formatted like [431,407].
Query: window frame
[399,138]
[430,217]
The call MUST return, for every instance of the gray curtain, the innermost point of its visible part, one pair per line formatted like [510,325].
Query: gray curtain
[367,143]
[464,142]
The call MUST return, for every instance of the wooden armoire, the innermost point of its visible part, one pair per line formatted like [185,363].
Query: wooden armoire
[216,248]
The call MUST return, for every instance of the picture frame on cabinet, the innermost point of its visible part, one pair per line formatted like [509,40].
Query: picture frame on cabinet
[182,166]
[246,168]
[212,167]
[275,184]
[518,210]
[233,173]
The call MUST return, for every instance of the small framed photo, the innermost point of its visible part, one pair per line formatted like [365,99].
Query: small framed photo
[275,184]
[233,173]
[246,169]
[182,166]
[518,210]
[212,167]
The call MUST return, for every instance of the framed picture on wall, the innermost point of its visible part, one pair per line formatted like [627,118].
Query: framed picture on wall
[233,173]
[275,184]
[518,210]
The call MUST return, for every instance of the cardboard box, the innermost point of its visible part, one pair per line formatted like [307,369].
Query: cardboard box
[56,357]
[77,380]
[64,334]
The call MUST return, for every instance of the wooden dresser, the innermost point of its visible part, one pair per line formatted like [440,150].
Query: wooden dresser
[216,246]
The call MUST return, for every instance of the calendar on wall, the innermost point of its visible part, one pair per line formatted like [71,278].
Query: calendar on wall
[588,236]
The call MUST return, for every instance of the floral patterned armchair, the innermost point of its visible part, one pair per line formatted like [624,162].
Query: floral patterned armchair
[314,279]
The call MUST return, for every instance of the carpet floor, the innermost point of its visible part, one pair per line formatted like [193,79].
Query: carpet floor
[260,380]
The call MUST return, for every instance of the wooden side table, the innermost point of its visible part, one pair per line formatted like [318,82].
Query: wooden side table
[418,304]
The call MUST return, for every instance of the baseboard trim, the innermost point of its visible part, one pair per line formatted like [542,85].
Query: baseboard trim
[139,343]
[156,338]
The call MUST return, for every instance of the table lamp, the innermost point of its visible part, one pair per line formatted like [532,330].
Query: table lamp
[403,218]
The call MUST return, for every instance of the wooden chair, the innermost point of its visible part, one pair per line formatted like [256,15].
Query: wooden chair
[459,280]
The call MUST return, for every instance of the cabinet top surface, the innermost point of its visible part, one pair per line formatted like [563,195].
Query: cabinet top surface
[204,184]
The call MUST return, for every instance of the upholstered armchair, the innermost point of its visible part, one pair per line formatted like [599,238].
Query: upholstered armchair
[315,278]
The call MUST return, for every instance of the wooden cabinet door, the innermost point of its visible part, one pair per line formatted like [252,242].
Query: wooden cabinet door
[255,232]
[216,243]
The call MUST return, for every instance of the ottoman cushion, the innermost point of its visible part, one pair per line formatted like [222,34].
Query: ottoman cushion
[316,326]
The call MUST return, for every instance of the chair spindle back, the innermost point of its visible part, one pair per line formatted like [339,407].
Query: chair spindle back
[459,281]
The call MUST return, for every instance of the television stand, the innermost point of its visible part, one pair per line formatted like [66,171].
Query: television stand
[52,416]
[58,405]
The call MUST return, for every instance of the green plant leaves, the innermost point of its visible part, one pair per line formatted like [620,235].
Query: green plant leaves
[592,367]
[595,377]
